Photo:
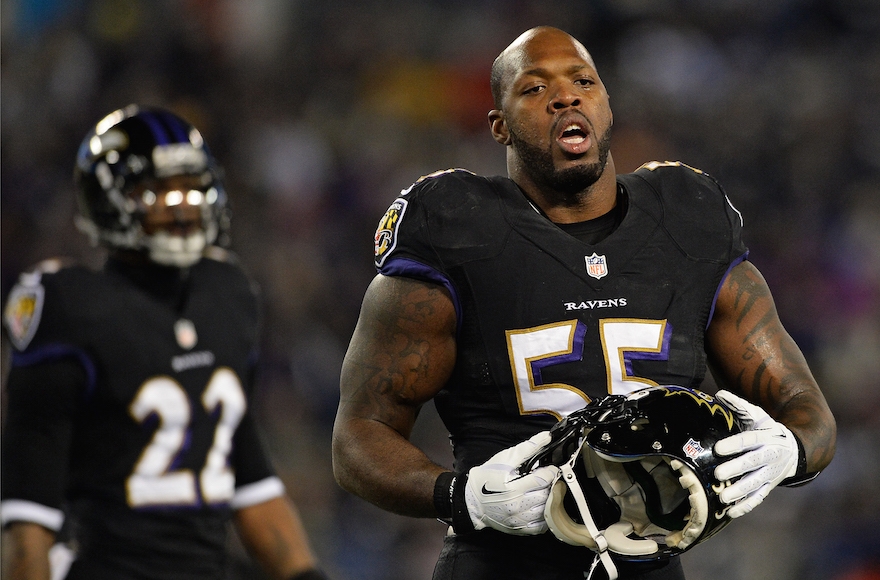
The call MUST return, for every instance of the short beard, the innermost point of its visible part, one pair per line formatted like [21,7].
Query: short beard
[567,182]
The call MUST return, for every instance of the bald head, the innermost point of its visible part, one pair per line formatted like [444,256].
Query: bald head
[524,49]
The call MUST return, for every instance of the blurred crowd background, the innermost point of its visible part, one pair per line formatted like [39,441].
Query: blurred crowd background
[321,112]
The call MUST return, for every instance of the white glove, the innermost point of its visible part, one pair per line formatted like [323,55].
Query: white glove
[769,455]
[498,497]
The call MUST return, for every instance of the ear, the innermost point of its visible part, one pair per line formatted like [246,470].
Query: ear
[498,126]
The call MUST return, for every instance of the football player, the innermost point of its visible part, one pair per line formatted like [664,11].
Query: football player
[128,421]
[513,302]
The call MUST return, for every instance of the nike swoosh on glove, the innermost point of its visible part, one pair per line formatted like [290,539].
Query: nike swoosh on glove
[769,455]
[498,497]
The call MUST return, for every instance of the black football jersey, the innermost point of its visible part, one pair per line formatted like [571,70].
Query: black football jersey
[128,412]
[547,322]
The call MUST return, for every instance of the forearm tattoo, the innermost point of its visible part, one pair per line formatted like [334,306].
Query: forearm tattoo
[773,370]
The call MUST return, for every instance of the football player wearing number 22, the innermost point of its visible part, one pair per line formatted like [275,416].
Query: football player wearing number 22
[514,302]
[128,428]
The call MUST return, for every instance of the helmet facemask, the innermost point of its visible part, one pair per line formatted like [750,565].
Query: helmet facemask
[176,218]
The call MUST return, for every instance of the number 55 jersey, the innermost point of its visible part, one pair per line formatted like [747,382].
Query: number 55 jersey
[128,414]
[548,322]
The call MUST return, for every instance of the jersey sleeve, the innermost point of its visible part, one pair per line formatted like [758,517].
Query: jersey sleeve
[48,378]
[42,399]
[255,479]
[402,243]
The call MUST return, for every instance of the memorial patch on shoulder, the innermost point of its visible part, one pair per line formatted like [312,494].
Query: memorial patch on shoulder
[386,234]
[22,313]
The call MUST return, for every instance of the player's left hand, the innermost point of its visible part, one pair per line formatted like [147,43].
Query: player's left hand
[766,453]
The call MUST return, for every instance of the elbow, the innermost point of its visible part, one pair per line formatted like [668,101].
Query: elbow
[831,441]
[822,442]
[341,462]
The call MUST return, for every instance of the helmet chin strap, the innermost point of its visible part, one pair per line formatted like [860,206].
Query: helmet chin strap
[564,527]
[176,251]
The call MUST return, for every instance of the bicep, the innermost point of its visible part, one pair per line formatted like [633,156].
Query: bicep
[401,354]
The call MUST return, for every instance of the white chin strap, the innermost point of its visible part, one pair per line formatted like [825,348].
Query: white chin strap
[177,251]
[569,531]
[616,537]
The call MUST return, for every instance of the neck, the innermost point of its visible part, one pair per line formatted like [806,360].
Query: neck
[592,202]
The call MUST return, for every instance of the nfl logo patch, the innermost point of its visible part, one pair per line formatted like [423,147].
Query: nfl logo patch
[185,332]
[692,448]
[597,267]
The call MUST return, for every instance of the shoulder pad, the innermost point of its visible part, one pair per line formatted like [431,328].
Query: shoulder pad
[437,198]
[696,210]
[437,174]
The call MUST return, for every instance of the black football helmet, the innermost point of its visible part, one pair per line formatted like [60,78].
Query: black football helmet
[134,144]
[637,473]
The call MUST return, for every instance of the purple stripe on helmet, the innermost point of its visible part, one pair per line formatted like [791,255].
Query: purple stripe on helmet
[176,125]
[160,134]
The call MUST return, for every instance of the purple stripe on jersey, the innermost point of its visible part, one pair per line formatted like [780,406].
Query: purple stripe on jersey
[54,352]
[412,269]
[663,354]
[733,265]
[160,134]
[577,352]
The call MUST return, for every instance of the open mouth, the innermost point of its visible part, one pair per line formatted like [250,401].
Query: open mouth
[574,138]
[573,134]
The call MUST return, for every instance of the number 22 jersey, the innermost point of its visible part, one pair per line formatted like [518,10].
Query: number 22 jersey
[128,413]
[547,322]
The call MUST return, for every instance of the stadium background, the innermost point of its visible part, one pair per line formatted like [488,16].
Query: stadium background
[322,111]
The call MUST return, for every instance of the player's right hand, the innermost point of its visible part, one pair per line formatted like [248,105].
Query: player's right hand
[498,497]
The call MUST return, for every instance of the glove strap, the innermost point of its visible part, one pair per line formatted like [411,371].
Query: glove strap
[801,477]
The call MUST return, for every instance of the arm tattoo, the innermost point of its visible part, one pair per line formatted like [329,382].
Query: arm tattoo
[770,368]
[396,360]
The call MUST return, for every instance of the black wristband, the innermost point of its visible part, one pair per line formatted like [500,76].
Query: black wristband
[443,495]
[461,518]
[801,476]
[313,574]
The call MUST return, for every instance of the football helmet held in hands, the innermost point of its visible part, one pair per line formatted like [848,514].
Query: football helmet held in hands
[637,473]
[138,161]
